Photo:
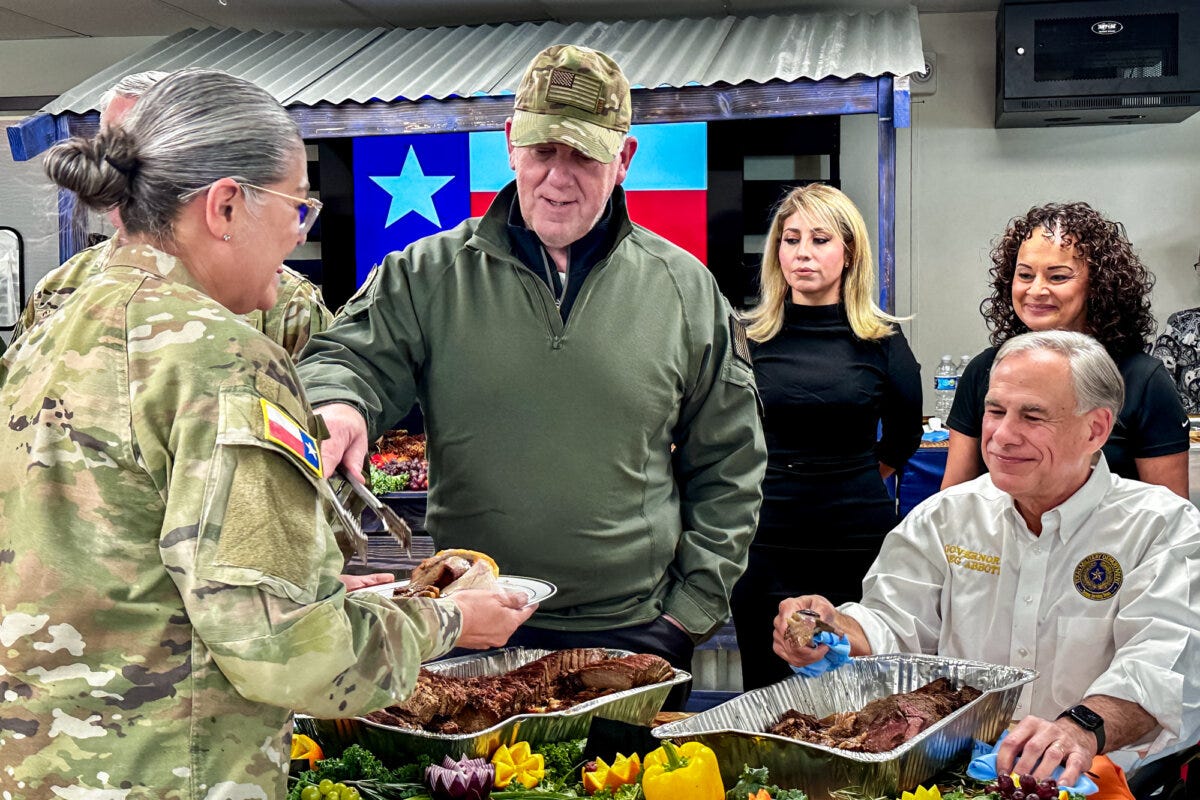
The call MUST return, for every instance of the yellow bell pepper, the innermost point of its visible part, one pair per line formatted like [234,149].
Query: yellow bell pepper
[518,764]
[922,794]
[304,747]
[687,772]
[601,775]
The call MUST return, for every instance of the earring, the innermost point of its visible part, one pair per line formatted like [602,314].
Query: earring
[227,237]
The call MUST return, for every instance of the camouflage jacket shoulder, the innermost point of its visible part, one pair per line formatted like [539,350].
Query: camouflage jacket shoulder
[298,313]
[58,284]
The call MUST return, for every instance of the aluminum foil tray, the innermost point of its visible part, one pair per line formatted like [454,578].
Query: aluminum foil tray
[396,745]
[735,729]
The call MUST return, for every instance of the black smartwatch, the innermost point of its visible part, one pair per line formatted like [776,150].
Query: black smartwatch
[1089,720]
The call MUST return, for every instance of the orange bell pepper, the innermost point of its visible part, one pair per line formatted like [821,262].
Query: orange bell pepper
[304,747]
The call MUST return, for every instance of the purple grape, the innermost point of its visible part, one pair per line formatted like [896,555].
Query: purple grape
[1027,782]
[1005,782]
[1017,794]
[1049,783]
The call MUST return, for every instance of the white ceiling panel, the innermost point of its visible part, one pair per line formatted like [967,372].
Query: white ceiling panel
[105,17]
[21,26]
[436,13]
[277,15]
[572,10]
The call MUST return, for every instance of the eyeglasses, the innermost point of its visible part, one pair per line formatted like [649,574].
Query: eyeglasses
[309,208]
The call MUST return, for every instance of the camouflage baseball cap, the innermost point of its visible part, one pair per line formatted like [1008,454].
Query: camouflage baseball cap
[575,96]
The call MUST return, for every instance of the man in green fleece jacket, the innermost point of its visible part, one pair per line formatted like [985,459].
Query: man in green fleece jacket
[587,391]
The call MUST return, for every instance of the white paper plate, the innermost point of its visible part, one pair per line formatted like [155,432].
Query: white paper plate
[537,590]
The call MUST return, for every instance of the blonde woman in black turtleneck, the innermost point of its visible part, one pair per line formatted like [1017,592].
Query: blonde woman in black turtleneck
[842,394]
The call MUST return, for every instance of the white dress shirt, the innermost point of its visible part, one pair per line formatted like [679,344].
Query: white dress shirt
[1105,601]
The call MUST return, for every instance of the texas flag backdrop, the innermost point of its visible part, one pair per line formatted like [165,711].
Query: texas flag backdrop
[412,185]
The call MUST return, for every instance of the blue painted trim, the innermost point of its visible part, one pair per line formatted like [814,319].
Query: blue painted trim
[32,136]
[901,108]
[887,196]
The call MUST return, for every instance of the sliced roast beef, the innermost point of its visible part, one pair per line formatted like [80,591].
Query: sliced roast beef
[619,674]
[882,724]
[558,680]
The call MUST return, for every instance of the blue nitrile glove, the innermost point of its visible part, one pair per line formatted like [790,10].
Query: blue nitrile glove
[983,768]
[935,436]
[838,654]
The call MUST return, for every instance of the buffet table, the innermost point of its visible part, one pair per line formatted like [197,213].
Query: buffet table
[954,703]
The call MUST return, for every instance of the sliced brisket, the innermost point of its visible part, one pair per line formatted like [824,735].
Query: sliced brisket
[882,724]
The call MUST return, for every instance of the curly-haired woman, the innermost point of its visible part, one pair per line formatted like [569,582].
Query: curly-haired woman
[1066,267]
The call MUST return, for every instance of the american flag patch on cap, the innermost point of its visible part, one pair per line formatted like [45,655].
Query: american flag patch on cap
[575,89]
[281,429]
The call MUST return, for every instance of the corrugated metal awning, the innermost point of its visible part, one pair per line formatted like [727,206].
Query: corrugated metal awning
[360,65]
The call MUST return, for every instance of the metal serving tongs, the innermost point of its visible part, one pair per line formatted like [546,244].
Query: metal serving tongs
[392,522]
[350,536]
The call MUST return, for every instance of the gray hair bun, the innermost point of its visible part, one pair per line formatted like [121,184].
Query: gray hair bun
[99,171]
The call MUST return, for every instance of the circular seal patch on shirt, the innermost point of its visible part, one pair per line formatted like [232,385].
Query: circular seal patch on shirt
[1098,576]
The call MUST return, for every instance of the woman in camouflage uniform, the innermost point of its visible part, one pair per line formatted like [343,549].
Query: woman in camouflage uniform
[168,580]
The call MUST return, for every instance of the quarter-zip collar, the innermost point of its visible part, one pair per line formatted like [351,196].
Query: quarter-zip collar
[504,218]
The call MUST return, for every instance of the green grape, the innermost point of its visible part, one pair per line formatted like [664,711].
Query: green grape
[341,787]
[325,787]
[351,794]
[310,793]
[334,794]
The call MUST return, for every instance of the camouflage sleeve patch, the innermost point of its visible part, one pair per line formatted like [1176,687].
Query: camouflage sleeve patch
[270,520]
[263,516]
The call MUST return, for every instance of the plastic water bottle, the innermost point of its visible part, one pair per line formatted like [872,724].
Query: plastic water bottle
[962,363]
[945,381]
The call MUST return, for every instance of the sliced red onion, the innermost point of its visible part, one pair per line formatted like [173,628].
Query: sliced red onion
[464,779]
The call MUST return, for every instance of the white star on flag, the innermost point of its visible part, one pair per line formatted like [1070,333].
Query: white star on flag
[412,190]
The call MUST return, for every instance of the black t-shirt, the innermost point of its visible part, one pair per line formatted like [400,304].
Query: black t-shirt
[1151,423]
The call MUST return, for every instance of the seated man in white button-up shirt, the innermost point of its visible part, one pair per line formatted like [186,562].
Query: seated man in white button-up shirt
[1048,561]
